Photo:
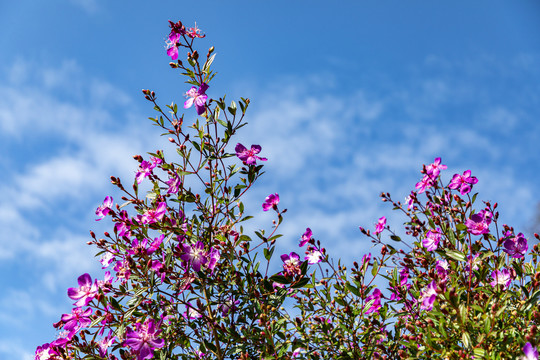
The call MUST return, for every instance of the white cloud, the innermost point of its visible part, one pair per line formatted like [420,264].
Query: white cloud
[90,6]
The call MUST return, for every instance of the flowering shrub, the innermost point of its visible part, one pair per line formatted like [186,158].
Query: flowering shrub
[187,282]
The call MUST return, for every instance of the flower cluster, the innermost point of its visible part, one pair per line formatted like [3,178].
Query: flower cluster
[187,282]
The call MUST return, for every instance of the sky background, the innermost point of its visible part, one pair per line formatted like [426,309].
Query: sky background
[349,99]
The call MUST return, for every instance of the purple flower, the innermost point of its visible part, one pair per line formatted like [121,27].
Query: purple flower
[86,291]
[531,353]
[502,277]
[435,168]
[78,318]
[376,305]
[249,157]
[291,263]
[314,257]
[441,266]
[177,30]
[174,184]
[479,223]
[516,246]
[431,241]
[426,182]
[379,226]
[270,202]
[197,97]
[45,352]
[365,259]
[428,296]
[105,343]
[214,257]
[306,237]
[410,200]
[463,182]
[104,209]
[195,255]
[143,339]
[151,216]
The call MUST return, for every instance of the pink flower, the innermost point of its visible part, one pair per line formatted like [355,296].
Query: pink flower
[516,246]
[428,296]
[270,202]
[77,319]
[197,97]
[105,343]
[194,32]
[214,257]
[410,200]
[177,30]
[463,182]
[291,263]
[502,277]
[143,340]
[249,157]
[314,257]
[45,352]
[479,223]
[376,305]
[442,269]
[104,209]
[435,168]
[531,353]
[426,182]
[379,226]
[86,291]
[151,216]
[174,184]
[431,241]
[195,255]
[306,237]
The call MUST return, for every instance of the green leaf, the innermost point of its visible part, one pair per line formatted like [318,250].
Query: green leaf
[352,289]
[456,255]
[268,252]
[395,238]
[280,279]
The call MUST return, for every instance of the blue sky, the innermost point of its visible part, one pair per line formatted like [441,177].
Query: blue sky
[349,99]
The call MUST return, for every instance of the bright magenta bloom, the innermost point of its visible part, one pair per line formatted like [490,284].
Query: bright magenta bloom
[78,318]
[314,257]
[151,216]
[197,97]
[379,226]
[463,182]
[143,339]
[195,255]
[249,157]
[516,246]
[502,277]
[306,237]
[431,241]
[104,209]
[428,296]
[531,353]
[376,305]
[426,182]
[86,291]
[291,263]
[435,168]
[194,32]
[270,202]
[479,223]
